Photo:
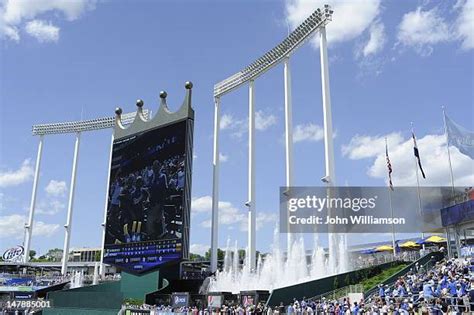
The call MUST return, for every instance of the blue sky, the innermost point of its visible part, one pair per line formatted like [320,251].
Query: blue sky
[391,63]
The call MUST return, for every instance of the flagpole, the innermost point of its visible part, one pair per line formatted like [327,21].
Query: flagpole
[448,236]
[447,148]
[393,226]
[391,208]
[418,184]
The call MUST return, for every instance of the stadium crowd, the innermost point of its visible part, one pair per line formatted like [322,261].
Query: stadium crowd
[446,288]
[137,199]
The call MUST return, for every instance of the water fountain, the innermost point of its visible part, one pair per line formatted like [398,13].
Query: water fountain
[77,279]
[277,269]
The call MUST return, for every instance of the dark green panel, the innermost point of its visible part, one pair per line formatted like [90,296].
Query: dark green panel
[137,286]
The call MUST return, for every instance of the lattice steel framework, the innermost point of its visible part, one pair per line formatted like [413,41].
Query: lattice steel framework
[298,37]
[83,125]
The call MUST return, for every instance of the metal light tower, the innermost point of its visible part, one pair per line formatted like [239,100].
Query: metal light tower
[75,127]
[252,219]
[288,134]
[315,22]
[29,225]
[215,185]
[72,189]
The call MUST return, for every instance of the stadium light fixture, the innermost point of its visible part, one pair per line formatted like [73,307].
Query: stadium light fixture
[83,125]
[300,35]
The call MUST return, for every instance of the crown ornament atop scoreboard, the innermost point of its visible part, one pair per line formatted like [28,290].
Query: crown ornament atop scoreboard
[149,191]
[163,117]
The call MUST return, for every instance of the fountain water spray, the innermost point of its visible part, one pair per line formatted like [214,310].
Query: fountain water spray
[276,269]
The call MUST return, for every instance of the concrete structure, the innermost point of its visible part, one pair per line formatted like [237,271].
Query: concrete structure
[85,254]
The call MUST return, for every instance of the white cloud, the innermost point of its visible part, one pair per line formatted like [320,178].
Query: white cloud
[199,249]
[308,132]
[10,32]
[229,214]
[266,218]
[377,39]
[226,121]
[14,13]
[361,147]
[434,158]
[17,177]
[56,188]
[421,29]
[238,127]
[264,121]
[464,25]
[350,18]
[201,204]
[50,207]
[43,31]
[223,157]
[14,226]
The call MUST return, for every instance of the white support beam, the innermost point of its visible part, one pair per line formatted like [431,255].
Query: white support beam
[72,186]
[330,175]
[252,231]
[327,113]
[29,225]
[215,186]
[288,134]
[102,265]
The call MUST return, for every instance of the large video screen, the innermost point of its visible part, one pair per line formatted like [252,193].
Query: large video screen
[148,208]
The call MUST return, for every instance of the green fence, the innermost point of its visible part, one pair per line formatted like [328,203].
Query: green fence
[105,298]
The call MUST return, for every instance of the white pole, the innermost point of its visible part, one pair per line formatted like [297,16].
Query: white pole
[72,187]
[448,243]
[391,207]
[288,135]
[393,226]
[215,186]
[29,225]
[251,178]
[447,148]
[102,265]
[330,177]
[418,183]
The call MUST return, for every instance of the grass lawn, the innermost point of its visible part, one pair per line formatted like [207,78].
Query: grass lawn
[372,282]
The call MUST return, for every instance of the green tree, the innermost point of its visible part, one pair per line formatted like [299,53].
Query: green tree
[195,257]
[97,256]
[54,254]
[32,254]
[220,254]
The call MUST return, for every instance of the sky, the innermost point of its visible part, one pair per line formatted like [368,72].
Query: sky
[391,63]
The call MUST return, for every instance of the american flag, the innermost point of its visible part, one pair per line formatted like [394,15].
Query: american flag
[389,166]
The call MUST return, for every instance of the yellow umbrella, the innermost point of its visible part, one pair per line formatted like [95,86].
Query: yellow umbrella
[409,244]
[384,248]
[435,239]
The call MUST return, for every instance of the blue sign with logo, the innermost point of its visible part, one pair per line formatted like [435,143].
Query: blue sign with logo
[179,299]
